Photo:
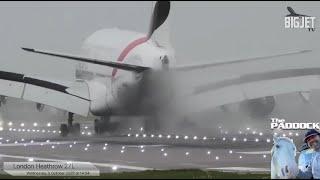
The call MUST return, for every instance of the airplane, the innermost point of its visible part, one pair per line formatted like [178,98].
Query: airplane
[294,14]
[132,80]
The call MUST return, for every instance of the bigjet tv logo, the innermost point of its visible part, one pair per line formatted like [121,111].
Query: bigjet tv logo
[299,21]
[281,124]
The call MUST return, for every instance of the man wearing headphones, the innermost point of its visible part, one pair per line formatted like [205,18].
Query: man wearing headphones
[312,140]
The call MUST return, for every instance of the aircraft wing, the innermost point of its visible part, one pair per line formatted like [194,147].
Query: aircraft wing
[252,86]
[213,64]
[72,97]
[118,65]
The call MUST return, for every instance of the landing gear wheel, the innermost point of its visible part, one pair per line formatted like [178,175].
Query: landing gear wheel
[152,125]
[104,125]
[76,129]
[98,127]
[64,130]
[70,127]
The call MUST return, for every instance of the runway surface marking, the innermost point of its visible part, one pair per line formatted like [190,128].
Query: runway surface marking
[94,163]
[38,143]
[248,169]
[111,160]
[255,152]
[137,146]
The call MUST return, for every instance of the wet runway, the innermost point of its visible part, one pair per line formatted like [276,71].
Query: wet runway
[245,150]
[28,135]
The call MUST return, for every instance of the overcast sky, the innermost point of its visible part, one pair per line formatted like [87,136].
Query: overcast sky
[201,31]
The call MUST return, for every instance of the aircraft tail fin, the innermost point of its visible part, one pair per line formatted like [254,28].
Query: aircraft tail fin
[161,35]
[159,15]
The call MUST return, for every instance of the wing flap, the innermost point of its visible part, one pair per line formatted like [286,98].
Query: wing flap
[11,88]
[249,90]
[213,64]
[57,99]
[73,97]
[280,86]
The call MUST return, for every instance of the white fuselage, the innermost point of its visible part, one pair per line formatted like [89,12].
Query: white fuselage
[121,46]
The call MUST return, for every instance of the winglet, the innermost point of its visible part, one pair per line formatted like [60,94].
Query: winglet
[28,49]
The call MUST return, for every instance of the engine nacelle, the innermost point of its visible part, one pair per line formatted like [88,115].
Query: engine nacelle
[101,99]
[39,107]
[3,100]
[260,107]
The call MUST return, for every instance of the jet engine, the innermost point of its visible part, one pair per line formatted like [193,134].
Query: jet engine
[39,107]
[258,108]
[101,99]
[3,100]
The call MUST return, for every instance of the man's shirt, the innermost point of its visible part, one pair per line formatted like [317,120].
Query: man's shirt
[316,166]
[305,163]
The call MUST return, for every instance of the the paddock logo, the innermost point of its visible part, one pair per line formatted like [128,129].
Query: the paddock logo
[281,124]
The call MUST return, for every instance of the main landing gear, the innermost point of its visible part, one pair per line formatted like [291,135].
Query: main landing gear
[73,128]
[152,124]
[104,125]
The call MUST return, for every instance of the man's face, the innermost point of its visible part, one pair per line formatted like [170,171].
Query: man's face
[314,142]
